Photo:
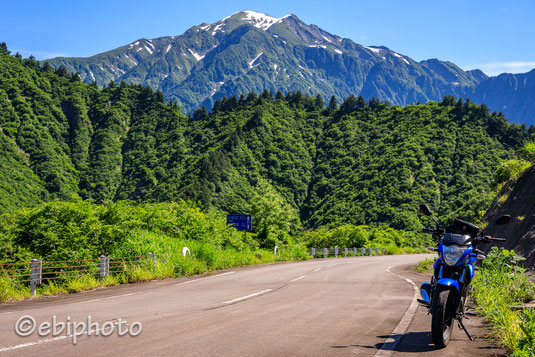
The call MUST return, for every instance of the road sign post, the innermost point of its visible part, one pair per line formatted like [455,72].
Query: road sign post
[242,222]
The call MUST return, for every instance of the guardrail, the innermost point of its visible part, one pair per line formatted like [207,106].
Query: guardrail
[326,252]
[37,272]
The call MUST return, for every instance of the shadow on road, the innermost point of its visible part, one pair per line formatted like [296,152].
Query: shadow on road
[413,342]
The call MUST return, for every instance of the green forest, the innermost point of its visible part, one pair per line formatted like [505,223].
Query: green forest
[311,163]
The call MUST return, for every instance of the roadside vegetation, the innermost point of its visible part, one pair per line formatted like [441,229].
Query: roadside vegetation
[348,236]
[425,266]
[82,230]
[66,231]
[501,286]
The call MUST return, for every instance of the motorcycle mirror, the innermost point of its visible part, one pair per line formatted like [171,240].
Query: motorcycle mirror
[505,219]
[425,210]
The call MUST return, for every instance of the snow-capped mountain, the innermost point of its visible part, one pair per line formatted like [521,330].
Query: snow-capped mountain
[250,51]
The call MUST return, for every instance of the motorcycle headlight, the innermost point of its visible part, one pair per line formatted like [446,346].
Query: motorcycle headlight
[452,254]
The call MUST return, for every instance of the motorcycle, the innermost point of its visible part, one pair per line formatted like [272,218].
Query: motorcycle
[446,294]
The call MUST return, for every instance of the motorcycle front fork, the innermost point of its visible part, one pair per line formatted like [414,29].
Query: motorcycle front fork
[460,314]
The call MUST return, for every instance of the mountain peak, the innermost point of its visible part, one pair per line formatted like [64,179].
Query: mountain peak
[257,19]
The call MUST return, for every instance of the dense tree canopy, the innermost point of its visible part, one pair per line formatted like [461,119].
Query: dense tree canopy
[364,163]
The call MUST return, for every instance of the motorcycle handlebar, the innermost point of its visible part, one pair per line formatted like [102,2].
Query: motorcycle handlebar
[428,230]
[489,239]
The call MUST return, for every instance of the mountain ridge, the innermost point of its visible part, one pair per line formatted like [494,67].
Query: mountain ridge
[250,51]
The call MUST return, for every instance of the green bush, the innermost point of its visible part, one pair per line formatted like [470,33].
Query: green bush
[510,170]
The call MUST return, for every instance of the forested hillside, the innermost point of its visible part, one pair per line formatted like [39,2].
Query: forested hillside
[358,162]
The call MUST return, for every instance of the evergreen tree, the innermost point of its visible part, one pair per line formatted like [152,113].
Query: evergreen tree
[333,104]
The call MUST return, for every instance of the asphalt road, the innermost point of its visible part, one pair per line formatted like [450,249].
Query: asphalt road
[360,306]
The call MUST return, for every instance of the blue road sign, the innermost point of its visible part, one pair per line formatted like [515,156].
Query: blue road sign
[241,222]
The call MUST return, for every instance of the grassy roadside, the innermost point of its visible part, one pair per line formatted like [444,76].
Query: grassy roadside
[205,258]
[499,286]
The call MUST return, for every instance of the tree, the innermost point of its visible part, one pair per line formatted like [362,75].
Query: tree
[361,103]
[271,213]
[3,48]
[318,102]
[333,104]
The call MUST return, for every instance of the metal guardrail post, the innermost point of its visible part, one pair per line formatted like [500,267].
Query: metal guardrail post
[354,251]
[376,251]
[362,251]
[153,256]
[35,275]
[104,266]
[384,250]
[336,252]
[345,252]
[325,253]
[370,251]
[313,252]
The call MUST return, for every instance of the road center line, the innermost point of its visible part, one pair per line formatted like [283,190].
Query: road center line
[390,344]
[315,270]
[208,277]
[301,277]
[328,266]
[247,297]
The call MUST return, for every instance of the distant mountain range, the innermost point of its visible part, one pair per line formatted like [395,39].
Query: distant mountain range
[250,51]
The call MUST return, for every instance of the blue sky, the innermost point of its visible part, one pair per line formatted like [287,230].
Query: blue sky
[495,36]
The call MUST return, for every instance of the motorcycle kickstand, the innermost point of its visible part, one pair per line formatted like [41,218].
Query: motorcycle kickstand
[461,326]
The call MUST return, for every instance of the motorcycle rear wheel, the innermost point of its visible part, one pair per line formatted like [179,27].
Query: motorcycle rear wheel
[442,317]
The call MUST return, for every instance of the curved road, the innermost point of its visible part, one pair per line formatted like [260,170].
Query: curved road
[321,307]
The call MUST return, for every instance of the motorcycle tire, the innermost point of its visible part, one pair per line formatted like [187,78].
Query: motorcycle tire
[442,318]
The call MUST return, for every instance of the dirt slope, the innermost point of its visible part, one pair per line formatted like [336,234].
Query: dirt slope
[520,204]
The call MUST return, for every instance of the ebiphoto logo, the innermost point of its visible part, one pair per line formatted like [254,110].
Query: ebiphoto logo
[27,325]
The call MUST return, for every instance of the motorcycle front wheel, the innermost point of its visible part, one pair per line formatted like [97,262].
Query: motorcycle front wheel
[443,312]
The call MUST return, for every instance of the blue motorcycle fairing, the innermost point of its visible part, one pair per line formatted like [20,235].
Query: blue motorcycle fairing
[471,270]
[464,256]
[449,282]
[425,288]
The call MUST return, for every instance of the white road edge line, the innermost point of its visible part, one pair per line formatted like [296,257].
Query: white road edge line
[301,277]
[315,270]
[39,342]
[116,296]
[390,344]
[208,277]
[328,266]
[248,296]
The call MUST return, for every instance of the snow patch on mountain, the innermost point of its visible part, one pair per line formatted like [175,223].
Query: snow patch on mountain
[148,49]
[168,48]
[260,20]
[257,19]
[400,56]
[197,56]
[373,49]
[338,51]
[254,59]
